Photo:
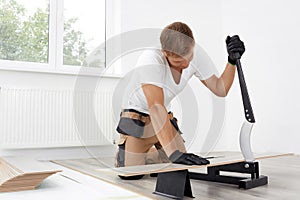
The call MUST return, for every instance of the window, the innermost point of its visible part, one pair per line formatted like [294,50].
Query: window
[24,30]
[56,35]
[87,20]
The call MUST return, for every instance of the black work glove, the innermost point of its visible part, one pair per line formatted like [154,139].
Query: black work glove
[235,48]
[187,158]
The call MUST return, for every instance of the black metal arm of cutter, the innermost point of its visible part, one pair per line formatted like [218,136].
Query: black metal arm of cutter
[245,96]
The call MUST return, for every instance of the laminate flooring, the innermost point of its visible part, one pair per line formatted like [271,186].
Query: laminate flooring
[283,173]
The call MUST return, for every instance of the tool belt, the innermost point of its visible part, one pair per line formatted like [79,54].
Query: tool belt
[133,114]
[132,122]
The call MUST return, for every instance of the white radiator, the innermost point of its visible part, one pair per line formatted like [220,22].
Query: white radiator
[32,118]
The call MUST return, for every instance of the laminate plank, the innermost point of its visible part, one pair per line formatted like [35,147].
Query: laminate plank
[283,173]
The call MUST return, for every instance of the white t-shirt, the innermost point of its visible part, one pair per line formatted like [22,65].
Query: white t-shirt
[153,68]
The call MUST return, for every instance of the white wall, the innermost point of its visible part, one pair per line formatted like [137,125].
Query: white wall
[20,79]
[270,30]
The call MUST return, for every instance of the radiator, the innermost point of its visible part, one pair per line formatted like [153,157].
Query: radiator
[32,118]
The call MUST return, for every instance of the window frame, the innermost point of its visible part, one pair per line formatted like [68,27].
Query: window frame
[55,49]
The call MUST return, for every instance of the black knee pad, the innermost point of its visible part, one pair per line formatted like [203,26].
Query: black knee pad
[153,174]
[136,177]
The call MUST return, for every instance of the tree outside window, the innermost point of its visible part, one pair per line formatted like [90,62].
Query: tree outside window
[24,35]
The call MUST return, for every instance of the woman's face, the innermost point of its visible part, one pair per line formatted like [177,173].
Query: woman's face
[180,62]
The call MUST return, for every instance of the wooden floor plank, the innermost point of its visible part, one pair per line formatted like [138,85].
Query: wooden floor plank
[167,167]
[283,173]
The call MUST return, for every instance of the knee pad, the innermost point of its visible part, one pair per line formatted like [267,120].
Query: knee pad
[136,177]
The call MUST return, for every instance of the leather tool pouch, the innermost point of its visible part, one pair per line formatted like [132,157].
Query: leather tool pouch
[133,127]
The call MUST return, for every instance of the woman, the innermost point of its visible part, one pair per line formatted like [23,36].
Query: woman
[148,131]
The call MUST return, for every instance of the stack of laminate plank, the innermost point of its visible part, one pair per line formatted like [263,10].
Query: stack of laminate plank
[22,173]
